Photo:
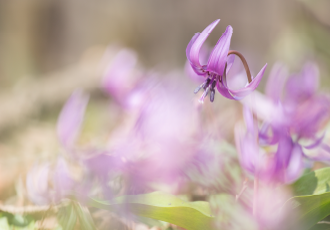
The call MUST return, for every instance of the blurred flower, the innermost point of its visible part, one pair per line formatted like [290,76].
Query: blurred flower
[276,159]
[271,213]
[160,146]
[63,182]
[37,184]
[46,184]
[294,121]
[121,79]
[218,65]
[71,118]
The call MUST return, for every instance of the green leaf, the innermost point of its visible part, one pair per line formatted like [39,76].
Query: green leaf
[4,223]
[160,206]
[313,183]
[230,214]
[311,209]
[67,217]
[85,219]
[321,226]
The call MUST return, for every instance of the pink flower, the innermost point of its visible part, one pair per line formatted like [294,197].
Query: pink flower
[71,118]
[272,159]
[218,65]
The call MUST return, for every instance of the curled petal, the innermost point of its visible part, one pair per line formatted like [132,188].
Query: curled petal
[195,45]
[316,142]
[321,153]
[71,118]
[218,57]
[191,73]
[276,80]
[240,93]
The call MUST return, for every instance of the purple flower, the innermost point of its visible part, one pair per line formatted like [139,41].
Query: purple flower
[71,118]
[274,158]
[218,65]
[37,184]
[295,105]
[295,116]
[39,178]
[121,79]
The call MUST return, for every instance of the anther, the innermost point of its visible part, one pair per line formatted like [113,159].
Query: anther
[203,85]
[212,95]
[206,92]
[198,88]
[207,83]
[213,84]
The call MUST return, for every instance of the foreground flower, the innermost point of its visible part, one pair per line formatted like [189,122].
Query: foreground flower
[218,65]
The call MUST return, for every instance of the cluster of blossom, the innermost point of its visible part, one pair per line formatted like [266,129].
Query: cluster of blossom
[293,132]
[162,142]
[158,143]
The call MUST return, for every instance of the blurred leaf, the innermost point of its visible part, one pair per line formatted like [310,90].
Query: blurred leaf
[160,206]
[311,209]
[230,214]
[31,226]
[19,220]
[84,216]
[313,183]
[321,227]
[67,217]
[4,223]
[149,222]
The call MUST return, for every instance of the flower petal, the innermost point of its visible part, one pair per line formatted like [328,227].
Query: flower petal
[316,142]
[195,45]
[191,73]
[247,149]
[240,93]
[218,57]
[230,62]
[71,118]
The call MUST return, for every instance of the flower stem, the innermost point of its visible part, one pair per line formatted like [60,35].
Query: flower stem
[246,66]
[255,195]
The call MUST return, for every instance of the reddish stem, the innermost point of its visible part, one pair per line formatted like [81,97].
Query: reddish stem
[245,64]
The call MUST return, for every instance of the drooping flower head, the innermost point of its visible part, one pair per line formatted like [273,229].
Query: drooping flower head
[218,65]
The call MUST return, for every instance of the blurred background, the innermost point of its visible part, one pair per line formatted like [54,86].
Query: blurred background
[49,48]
